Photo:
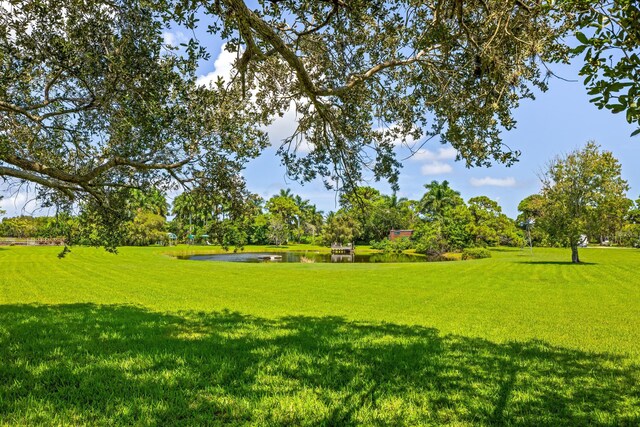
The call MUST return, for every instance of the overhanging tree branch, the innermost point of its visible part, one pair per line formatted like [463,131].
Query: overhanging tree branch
[65,187]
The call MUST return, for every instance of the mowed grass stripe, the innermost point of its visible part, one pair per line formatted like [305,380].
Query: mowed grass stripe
[511,296]
[143,338]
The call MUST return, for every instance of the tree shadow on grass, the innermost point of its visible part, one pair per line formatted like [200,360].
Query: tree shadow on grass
[107,365]
[557,263]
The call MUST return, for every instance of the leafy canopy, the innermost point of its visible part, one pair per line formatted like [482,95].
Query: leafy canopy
[94,102]
[609,42]
[583,192]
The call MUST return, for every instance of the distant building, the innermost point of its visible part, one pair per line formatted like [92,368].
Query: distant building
[584,241]
[396,234]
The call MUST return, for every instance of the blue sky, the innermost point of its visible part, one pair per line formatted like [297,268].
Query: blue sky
[558,121]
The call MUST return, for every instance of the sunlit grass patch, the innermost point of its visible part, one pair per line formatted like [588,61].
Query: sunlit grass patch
[139,338]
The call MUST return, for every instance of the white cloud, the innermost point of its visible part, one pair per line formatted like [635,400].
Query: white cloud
[19,203]
[436,168]
[174,39]
[409,141]
[223,67]
[283,127]
[435,160]
[448,153]
[493,182]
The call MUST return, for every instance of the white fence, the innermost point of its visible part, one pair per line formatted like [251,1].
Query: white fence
[17,241]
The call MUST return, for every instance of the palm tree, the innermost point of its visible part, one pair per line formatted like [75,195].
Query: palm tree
[394,201]
[438,198]
[152,201]
[286,193]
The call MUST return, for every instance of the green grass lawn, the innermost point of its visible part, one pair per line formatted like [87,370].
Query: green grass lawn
[143,338]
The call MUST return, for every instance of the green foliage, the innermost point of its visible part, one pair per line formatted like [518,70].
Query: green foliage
[147,228]
[103,103]
[285,208]
[278,231]
[584,193]
[226,220]
[489,226]
[531,209]
[21,226]
[456,227]
[439,200]
[34,227]
[450,225]
[233,235]
[149,208]
[196,211]
[258,230]
[609,42]
[92,102]
[363,205]
[378,213]
[629,234]
[150,200]
[475,253]
[397,246]
[96,227]
[284,216]
[480,58]
[340,228]
[380,245]
[298,216]
[431,239]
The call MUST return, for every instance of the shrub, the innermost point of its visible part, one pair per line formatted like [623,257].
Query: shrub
[431,241]
[393,246]
[475,253]
[401,244]
[379,245]
[233,235]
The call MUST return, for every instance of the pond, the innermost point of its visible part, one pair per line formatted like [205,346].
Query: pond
[310,257]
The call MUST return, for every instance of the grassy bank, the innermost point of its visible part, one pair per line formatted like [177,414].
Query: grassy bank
[141,337]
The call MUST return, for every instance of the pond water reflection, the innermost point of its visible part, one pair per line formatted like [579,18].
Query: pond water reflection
[304,257]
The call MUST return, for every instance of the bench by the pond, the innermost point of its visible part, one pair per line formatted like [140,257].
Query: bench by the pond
[339,248]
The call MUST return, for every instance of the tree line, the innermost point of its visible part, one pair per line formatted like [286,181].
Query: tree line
[583,197]
[441,219]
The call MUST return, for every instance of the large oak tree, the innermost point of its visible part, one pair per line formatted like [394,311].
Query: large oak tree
[92,102]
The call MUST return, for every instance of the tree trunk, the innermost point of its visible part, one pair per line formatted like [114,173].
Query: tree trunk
[574,253]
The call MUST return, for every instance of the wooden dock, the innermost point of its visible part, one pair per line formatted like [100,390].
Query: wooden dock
[339,248]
